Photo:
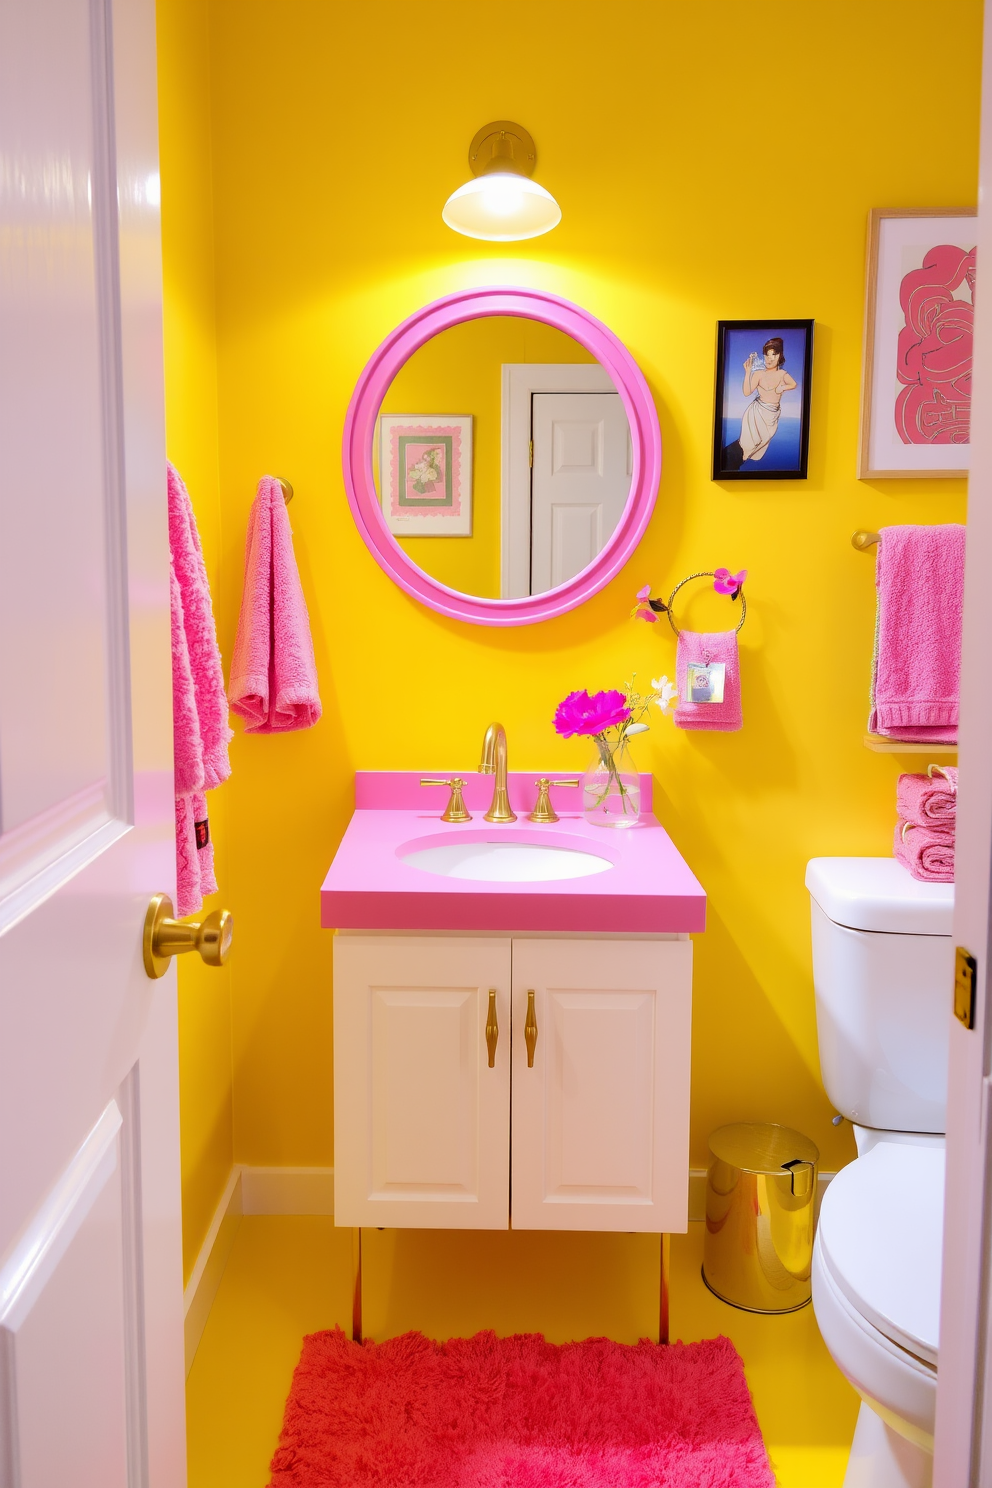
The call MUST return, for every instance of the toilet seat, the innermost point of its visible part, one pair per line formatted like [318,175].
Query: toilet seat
[896,1384]
[880,1240]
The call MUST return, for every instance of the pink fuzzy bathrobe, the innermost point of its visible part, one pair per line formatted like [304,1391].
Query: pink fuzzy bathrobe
[200,727]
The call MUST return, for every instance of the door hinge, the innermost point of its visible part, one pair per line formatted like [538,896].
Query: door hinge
[531,454]
[965,968]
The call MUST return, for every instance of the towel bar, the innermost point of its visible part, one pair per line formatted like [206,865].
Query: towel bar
[863,540]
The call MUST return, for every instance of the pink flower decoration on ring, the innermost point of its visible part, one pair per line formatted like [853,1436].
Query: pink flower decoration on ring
[724,582]
[581,714]
[645,607]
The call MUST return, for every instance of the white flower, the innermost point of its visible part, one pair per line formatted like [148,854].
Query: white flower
[636,728]
[666,692]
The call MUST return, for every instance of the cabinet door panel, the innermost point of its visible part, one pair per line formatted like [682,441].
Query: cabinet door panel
[600,1121]
[421,1121]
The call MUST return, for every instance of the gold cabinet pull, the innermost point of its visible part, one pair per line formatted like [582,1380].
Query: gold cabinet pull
[165,937]
[530,1029]
[492,1028]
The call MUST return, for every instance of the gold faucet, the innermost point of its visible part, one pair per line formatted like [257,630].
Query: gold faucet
[494,763]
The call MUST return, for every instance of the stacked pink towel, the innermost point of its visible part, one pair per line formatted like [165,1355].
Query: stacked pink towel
[199,707]
[697,648]
[919,576]
[927,809]
[273,674]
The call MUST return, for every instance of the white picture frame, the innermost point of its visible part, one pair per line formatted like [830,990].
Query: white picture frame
[916,388]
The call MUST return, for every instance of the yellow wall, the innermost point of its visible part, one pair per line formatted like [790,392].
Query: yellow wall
[191,421]
[334,147]
[460,372]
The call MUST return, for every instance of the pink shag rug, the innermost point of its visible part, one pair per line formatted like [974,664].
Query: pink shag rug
[488,1412]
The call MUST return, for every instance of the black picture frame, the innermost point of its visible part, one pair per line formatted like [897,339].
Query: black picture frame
[794,443]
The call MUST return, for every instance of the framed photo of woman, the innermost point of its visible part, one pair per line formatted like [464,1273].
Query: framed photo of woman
[763,375]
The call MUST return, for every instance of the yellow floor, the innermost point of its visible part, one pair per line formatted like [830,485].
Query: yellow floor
[290,1275]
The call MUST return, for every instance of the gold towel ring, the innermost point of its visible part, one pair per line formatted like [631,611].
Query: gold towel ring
[703,574]
[939,770]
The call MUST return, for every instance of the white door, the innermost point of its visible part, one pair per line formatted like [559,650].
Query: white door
[601,1085]
[579,484]
[421,1082]
[91,1339]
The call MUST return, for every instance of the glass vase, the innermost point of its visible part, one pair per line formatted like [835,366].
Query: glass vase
[611,787]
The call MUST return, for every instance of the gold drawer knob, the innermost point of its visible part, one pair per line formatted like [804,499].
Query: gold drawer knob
[165,937]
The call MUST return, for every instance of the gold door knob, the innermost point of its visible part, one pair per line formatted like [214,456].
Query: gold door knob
[530,1029]
[492,1029]
[165,937]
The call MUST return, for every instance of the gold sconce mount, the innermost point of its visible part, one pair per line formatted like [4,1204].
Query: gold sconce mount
[504,147]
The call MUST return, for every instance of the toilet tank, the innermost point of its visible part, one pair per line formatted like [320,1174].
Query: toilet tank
[883,971]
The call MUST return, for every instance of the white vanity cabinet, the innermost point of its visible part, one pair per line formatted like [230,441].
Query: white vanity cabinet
[594,1129]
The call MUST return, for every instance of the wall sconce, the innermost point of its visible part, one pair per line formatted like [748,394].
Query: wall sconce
[502,204]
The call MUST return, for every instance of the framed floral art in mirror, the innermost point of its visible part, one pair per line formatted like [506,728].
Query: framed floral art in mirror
[425,464]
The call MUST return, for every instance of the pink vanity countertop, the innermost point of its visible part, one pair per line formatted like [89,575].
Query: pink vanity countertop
[368,887]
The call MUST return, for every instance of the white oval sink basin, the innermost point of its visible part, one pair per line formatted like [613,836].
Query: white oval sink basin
[505,862]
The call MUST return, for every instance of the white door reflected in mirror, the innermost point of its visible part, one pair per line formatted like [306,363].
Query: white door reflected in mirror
[579,481]
[502,457]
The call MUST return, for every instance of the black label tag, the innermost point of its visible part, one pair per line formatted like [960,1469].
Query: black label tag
[202,830]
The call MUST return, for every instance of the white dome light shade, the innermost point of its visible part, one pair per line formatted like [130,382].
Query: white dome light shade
[502,208]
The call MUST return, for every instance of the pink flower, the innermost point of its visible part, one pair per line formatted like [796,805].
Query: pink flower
[647,608]
[581,714]
[724,582]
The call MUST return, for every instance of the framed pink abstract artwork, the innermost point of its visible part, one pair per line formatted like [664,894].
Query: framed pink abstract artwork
[919,309]
[425,474]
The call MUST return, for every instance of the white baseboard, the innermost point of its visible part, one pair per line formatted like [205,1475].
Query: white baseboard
[201,1289]
[287,1190]
[248,1191]
[303,1191]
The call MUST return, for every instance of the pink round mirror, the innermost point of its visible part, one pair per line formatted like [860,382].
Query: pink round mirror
[502,455]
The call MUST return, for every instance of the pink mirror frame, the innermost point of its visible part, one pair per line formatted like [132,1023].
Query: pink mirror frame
[359,432]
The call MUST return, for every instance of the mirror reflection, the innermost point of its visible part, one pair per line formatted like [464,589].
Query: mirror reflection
[503,457]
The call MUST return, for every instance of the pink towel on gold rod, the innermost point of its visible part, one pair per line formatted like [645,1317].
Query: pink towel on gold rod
[919,575]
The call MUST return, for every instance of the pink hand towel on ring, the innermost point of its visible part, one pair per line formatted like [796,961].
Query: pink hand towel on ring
[273,673]
[696,649]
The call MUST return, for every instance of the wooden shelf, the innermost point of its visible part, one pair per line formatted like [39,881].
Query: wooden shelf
[896,746]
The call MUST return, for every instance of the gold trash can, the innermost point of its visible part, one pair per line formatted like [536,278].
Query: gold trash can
[760,1191]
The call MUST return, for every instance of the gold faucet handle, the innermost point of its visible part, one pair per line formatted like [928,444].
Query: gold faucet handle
[544,811]
[455,810]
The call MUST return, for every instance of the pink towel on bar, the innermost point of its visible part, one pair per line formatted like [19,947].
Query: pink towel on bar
[928,855]
[919,576]
[273,674]
[929,800]
[699,648]
[199,706]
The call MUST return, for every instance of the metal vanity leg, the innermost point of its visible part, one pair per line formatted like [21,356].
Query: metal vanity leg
[666,1258]
[356,1275]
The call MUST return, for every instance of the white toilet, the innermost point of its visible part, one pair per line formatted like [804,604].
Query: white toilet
[883,968]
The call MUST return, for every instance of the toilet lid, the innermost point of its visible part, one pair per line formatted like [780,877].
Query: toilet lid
[880,1231]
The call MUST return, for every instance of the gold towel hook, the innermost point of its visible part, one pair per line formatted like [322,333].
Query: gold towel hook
[287,489]
[863,540]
